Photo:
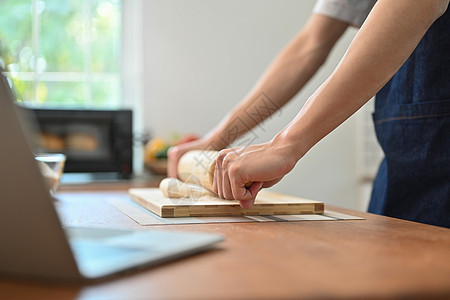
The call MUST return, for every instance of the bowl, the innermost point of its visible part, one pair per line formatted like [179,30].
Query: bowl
[157,167]
[51,166]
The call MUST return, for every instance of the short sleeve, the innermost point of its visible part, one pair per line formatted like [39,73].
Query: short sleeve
[354,12]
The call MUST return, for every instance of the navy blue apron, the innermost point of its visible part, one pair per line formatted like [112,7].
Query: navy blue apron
[412,123]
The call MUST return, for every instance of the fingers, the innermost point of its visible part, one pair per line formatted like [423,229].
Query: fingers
[216,182]
[173,155]
[247,195]
[246,203]
[228,181]
[217,176]
[220,178]
[270,183]
[227,192]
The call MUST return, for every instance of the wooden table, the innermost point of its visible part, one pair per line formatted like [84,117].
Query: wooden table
[376,258]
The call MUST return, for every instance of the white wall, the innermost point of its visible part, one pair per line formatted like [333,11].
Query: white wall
[202,56]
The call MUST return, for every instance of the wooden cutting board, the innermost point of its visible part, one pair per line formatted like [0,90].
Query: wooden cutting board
[266,203]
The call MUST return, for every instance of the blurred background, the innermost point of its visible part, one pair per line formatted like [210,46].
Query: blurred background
[177,67]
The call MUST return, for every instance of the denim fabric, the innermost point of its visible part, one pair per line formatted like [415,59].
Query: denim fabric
[412,122]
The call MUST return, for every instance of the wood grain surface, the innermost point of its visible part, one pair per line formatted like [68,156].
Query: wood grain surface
[266,203]
[376,258]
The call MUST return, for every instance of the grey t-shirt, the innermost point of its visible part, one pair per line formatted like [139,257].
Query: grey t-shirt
[354,12]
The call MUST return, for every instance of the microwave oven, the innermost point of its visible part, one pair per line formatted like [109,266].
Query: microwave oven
[94,141]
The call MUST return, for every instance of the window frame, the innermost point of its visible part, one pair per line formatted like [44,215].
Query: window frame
[86,76]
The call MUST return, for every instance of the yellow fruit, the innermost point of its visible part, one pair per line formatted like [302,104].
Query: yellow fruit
[152,147]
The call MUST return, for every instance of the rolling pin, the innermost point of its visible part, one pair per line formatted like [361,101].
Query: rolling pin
[197,167]
[196,170]
[174,188]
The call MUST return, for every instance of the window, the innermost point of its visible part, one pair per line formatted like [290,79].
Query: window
[63,52]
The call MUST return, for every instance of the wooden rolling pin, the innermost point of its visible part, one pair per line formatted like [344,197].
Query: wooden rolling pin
[174,188]
[196,170]
[197,167]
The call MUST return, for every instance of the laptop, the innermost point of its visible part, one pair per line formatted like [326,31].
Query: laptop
[33,241]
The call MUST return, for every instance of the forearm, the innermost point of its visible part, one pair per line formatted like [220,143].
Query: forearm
[388,37]
[288,73]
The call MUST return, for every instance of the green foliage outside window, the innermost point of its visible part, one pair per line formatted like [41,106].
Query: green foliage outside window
[62,52]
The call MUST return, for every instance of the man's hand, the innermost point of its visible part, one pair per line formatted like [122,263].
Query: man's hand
[263,165]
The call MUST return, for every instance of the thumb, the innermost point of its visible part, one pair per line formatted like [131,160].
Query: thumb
[250,194]
[255,188]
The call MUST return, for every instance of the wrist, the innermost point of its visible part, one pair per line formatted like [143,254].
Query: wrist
[293,146]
